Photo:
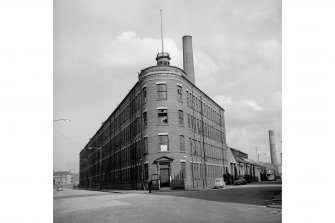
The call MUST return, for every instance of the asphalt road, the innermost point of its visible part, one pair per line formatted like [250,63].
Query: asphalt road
[238,204]
[256,195]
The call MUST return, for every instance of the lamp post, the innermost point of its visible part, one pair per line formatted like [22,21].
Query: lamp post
[62,119]
[100,161]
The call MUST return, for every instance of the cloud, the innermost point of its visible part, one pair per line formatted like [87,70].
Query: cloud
[129,50]
[269,52]
[126,36]
[252,104]
[204,65]
[223,101]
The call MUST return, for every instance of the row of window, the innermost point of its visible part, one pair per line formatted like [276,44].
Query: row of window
[212,152]
[198,171]
[162,92]
[134,173]
[128,155]
[131,174]
[209,131]
[134,106]
[163,117]
[198,105]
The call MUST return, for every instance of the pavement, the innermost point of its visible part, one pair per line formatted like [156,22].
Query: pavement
[168,206]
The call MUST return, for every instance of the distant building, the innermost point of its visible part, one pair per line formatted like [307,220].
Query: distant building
[65,178]
[166,130]
[272,171]
[240,165]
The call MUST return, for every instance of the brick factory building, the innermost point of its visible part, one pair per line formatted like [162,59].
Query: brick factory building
[165,130]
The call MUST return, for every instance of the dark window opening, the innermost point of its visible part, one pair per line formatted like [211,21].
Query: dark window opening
[162,116]
[144,94]
[145,119]
[180,93]
[182,143]
[181,117]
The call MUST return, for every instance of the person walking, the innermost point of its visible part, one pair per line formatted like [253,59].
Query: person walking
[150,185]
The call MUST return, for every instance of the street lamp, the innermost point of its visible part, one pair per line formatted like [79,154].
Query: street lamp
[99,148]
[62,119]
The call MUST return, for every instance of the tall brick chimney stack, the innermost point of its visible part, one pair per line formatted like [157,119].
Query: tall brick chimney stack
[188,64]
[273,148]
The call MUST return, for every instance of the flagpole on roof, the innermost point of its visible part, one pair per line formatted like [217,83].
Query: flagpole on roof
[162,30]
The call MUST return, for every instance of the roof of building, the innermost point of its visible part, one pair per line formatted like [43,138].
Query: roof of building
[237,150]
[242,159]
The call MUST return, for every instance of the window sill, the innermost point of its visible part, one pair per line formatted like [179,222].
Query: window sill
[161,99]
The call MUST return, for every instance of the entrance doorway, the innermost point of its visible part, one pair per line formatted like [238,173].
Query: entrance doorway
[165,175]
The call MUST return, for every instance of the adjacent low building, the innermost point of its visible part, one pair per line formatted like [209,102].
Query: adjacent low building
[240,165]
[166,130]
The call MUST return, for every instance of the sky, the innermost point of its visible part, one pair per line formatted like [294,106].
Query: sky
[100,46]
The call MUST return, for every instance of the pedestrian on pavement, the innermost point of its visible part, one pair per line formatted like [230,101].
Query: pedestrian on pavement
[150,185]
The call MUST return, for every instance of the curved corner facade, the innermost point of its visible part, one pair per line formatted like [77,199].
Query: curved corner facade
[165,130]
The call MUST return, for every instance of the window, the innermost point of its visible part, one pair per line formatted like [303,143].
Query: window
[144,94]
[193,123]
[181,117]
[161,91]
[187,98]
[191,146]
[162,116]
[145,119]
[164,143]
[190,99]
[180,92]
[188,121]
[193,102]
[182,143]
[146,171]
[145,146]
[183,170]
[135,100]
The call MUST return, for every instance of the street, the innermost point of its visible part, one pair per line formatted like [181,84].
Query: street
[233,204]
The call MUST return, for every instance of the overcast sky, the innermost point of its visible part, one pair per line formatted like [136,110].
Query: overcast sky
[100,46]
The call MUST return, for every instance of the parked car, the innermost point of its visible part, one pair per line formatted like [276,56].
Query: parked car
[240,180]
